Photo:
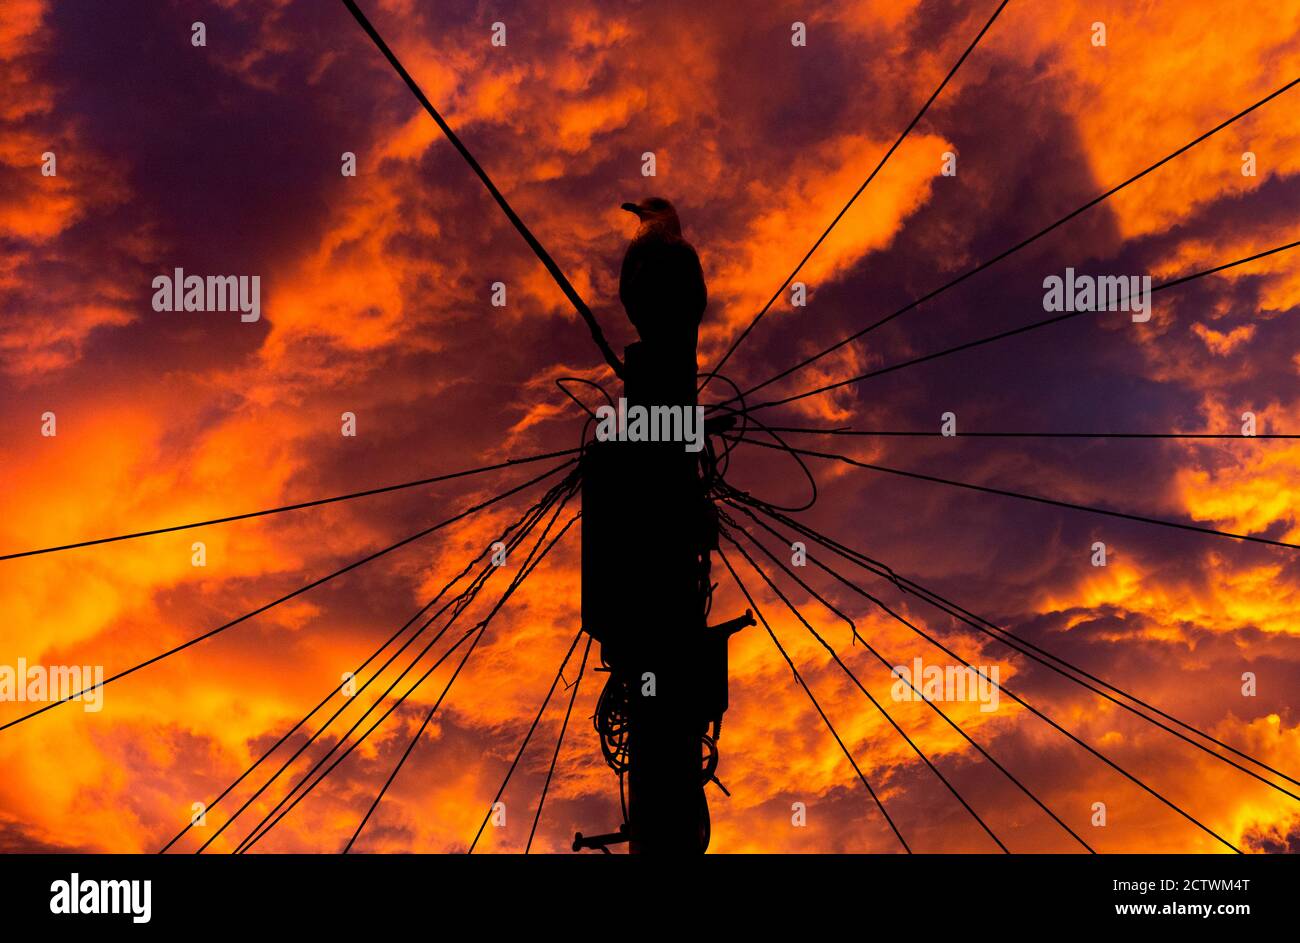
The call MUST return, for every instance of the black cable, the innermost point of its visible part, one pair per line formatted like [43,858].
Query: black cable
[255,836]
[782,445]
[848,671]
[1032,651]
[391,777]
[798,678]
[524,525]
[559,673]
[398,767]
[935,707]
[362,667]
[1025,242]
[559,742]
[565,286]
[467,599]
[480,629]
[1053,502]
[1037,713]
[292,507]
[285,598]
[726,455]
[1013,332]
[840,215]
[920,433]
[560,381]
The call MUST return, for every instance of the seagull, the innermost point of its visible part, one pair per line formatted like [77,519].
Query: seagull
[661,284]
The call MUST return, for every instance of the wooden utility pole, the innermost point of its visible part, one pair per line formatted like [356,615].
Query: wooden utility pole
[649,529]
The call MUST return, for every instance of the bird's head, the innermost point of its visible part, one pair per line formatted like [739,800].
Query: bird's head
[655,213]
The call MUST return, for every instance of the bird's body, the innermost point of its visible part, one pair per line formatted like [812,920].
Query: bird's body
[661,284]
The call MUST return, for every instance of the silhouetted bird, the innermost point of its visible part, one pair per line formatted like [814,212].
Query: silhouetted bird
[661,284]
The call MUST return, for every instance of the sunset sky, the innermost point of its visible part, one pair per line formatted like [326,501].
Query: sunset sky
[376,300]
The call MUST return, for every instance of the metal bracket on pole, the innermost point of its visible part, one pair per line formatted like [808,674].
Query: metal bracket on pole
[600,842]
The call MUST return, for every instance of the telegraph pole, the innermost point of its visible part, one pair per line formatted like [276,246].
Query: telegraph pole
[649,529]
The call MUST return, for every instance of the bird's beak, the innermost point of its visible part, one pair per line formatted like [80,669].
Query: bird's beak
[633,209]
